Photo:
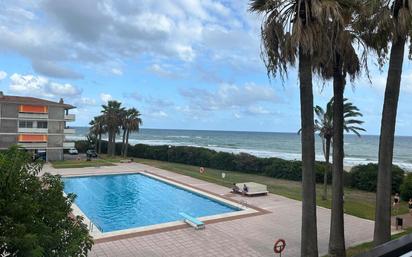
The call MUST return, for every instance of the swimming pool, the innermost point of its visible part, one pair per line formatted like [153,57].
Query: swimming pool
[117,202]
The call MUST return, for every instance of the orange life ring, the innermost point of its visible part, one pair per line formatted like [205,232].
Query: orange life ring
[279,246]
[202,170]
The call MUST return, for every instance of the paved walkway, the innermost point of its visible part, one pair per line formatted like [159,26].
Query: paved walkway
[251,236]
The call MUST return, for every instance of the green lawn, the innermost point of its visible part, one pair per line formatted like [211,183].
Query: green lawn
[352,251]
[358,203]
[103,160]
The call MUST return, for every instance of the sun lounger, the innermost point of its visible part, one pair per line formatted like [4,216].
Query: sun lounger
[253,188]
[197,224]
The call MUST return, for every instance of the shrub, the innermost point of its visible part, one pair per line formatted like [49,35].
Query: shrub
[35,216]
[364,177]
[406,188]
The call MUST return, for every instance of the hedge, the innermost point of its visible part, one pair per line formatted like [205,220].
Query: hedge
[365,177]
[361,177]
[406,188]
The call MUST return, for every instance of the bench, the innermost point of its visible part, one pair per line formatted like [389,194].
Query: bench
[192,221]
[253,188]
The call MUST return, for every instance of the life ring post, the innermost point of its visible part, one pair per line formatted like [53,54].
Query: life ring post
[279,246]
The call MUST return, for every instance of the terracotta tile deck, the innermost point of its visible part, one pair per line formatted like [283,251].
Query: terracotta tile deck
[249,236]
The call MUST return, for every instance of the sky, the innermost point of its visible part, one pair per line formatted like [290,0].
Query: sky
[184,64]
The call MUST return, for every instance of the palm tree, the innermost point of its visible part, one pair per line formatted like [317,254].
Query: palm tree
[123,117]
[112,119]
[98,128]
[387,23]
[324,125]
[336,62]
[291,30]
[133,123]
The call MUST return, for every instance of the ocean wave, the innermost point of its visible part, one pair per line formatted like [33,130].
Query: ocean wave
[349,160]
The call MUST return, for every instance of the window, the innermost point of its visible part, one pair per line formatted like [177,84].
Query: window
[42,124]
[25,124]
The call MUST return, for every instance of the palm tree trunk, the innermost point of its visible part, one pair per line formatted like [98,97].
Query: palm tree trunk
[127,143]
[100,144]
[109,142]
[337,235]
[123,140]
[309,244]
[327,169]
[113,153]
[382,231]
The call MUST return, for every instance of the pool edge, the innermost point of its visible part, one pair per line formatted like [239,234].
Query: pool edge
[245,211]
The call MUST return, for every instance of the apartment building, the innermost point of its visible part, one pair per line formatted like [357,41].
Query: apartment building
[35,124]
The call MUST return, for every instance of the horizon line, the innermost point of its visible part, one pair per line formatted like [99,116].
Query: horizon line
[245,131]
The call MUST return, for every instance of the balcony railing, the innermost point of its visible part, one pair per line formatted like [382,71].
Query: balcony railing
[33,130]
[69,131]
[69,117]
[68,145]
[33,145]
[33,115]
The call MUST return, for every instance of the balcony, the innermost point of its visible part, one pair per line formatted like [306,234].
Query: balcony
[33,130]
[69,131]
[24,115]
[68,145]
[35,145]
[69,117]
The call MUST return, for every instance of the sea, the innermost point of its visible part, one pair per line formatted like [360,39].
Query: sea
[358,150]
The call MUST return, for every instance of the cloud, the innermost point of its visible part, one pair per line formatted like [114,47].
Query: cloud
[51,69]
[3,75]
[84,101]
[379,82]
[228,96]
[158,114]
[116,71]
[63,89]
[54,33]
[257,110]
[161,71]
[105,97]
[31,85]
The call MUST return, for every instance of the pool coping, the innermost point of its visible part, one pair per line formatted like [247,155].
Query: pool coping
[247,210]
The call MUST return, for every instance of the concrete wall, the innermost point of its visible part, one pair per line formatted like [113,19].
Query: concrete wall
[8,126]
[56,113]
[54,154]
[55,141]
[56,126]
[9,110]
[7,140]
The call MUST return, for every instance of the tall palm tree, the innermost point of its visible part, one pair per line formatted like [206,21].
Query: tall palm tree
[324,125]
[291,30]
[98,128]
[342,60]
[387,23]
[112,118]
[123,117]
[133,123]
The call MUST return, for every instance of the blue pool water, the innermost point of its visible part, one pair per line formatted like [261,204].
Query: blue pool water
[116,202]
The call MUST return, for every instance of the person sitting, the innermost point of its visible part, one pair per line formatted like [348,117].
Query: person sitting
[245,189]
[235,188]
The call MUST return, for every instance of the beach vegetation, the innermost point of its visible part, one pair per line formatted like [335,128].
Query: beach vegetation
[97,129]
[324,126]
[365,176]
[112,115]
[406,188]
[131,122]
[36,218]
